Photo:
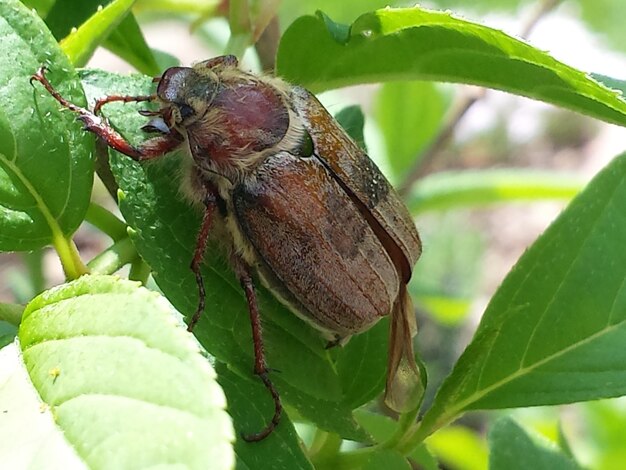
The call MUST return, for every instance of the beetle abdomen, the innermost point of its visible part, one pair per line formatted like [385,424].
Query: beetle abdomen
[312,238]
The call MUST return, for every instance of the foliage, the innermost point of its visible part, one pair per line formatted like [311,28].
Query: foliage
[103,368]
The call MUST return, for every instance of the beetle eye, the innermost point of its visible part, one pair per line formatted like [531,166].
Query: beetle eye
[306,146]
[185,110]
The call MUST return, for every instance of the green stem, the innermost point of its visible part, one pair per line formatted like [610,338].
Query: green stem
[405,424]
[73,266]
[106,221]
[11,313]
[113,258]
[139,271]
[325,447]
[34,263]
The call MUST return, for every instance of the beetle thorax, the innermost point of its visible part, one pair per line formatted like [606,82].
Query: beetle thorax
[246,120]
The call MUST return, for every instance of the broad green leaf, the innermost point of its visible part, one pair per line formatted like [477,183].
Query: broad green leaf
[165,228]
[613,83]
[46,169]
[552,332]
[459,447]
[352,120]
[454,189]
[279,451]
[362,365]
[416,44]
[409,114]
[126,40]
[106,354]
[512,448]
[29,436]
[81,43]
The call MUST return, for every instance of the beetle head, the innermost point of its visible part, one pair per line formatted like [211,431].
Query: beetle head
[187,93]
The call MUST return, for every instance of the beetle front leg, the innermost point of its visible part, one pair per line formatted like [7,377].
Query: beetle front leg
[149,149]
[260,365]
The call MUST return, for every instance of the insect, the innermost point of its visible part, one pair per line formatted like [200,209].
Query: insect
[306,211]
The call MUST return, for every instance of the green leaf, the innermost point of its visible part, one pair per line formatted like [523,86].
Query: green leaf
[281,450]
[11,313]
[352,119]
[8,332]
[127,42]
[552,332]
[362,365]
[512,448]
[165,228]
[81,43]
[417,44]
[46,169]
[105,354]
[409,114]
[454,189]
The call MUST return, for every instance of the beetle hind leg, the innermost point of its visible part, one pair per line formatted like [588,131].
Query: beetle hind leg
[260,365]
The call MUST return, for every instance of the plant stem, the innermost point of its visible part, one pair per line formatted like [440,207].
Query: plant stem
[73,266]
[466,100]
[139,271]
[113,258]
[325,447]
[105,221]
[34,263]
[405,423]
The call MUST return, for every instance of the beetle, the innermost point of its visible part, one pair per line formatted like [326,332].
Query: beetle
[305,209]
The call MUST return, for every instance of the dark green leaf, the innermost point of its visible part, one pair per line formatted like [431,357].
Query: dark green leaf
[417,44]
[7,333]
[165,229]
[280,450]
[362,365]
[105,354]
[127,41]
[352,120]
[512,448]
[46,170]
[552,332]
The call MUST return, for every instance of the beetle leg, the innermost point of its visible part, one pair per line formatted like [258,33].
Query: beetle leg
[260,365]
[149,149]
[123,98]
[210,202]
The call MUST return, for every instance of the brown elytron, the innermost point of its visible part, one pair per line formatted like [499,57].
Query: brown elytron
[305,208]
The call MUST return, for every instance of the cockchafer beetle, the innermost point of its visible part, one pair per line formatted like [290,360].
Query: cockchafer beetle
[304,207]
